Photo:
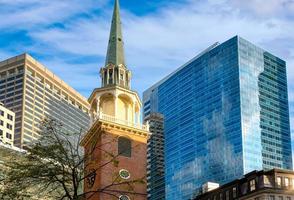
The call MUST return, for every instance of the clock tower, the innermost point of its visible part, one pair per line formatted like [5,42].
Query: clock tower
[115,145]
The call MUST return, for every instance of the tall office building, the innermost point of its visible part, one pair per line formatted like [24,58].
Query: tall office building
[225,114]
[155,157]
[32,92]
[7,118]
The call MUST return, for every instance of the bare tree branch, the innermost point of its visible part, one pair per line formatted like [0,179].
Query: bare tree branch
[54,167]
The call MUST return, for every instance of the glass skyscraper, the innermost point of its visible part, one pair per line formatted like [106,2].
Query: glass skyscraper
[225,114]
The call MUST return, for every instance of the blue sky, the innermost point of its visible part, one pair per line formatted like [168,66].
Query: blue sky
[70,36]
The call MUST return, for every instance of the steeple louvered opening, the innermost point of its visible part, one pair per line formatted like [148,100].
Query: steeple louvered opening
[115,75]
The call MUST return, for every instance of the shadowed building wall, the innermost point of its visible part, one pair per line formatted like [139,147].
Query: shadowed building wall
[155,157]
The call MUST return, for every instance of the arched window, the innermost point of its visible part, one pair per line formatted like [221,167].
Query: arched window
[124,197]
[105,77]
[110,76]
[127,80]
[124,147]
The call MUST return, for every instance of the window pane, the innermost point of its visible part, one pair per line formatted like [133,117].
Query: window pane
[124,147]
[252,185]
[287,182]
[279,181]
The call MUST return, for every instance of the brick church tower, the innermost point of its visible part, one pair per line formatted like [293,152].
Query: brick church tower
[115,145]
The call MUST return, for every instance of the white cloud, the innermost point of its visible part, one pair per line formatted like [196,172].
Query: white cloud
[80,37]
[30,14]
[267,8]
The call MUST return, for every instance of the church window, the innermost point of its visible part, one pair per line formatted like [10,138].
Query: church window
[110,76]
[116,73]
[124,197]
[124,174]
[124,147]
[127,80]
[104,78]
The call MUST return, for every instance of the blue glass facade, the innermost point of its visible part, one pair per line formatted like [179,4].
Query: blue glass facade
[225,114]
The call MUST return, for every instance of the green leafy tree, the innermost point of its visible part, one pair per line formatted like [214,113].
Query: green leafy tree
[53,168]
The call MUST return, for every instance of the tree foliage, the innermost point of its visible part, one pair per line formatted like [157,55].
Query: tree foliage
[53,168]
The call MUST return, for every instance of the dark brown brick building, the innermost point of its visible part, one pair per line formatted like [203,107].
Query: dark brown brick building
[275,184]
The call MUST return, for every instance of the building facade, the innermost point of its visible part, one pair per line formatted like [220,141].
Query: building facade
[155,157]
[7,118]
[32,92]
[275,184]
[225,114]
[116,144]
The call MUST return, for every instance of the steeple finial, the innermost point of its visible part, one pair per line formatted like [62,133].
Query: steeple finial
[115,52]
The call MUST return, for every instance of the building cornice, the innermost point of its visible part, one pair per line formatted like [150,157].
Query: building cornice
[109,126]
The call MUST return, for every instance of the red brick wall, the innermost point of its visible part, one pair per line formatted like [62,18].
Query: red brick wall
[136,165]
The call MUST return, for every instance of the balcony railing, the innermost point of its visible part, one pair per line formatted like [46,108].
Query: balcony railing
[110,118]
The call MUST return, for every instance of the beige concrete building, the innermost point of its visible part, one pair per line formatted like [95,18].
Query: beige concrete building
[33,92]
[7,118]
[275,184]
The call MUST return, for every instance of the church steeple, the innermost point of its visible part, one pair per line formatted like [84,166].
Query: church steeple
[115,121]
[115,52]
[115,71]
